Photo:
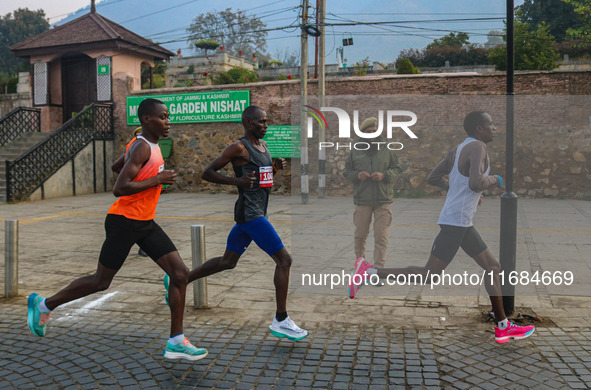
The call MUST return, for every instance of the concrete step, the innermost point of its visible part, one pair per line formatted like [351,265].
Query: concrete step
[9,156]
[21,145]
[14,150]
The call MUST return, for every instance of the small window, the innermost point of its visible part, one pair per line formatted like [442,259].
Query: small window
[103,78]
[40,80]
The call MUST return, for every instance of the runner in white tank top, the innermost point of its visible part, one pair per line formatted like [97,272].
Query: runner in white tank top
[467,166]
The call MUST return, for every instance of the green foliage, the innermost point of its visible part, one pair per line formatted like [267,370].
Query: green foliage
[279,63]
[415,56]
[191,69]
[282,77]
[450,40]
[235,76]
[583,9]
[158,77]
[406,67]
[436,56]
[14,28]
[575,49]
[183,84]
[159,81]
[206,44]
[361,67]
[454,48]
[534,49]
[160,67]
[236,31]
[559,15]
[8,83]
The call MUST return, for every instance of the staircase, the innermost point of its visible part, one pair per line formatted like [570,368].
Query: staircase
[31,169]
[13,150]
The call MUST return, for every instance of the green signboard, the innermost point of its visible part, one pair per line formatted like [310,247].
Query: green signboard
[103,69]
[283,141]
[197,107]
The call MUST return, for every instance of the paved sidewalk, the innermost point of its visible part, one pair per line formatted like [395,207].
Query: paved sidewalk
[421,338]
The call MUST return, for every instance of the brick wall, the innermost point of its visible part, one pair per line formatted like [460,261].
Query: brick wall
[549,161]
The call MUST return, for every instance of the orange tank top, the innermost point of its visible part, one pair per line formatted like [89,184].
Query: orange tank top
[142,206]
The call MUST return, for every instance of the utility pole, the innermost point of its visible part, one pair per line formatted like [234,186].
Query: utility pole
[509,198]
[316,40]
[320,17]
[303,101]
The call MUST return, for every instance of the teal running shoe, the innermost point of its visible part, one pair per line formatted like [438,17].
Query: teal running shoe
[184,350]
[36,319]
[166,281]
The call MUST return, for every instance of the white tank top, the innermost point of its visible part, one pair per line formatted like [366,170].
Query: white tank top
[461,202]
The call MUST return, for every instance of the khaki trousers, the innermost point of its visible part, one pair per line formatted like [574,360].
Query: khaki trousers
[382,219]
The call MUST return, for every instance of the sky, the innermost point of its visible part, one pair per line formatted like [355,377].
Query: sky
[166,22]
[54,9]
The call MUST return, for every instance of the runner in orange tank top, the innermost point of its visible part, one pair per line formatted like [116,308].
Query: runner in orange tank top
[128,222]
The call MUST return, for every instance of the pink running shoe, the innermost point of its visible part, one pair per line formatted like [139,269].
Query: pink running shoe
[361,267]
[515,331]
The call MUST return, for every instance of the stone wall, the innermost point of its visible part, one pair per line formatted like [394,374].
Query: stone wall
[552,162]
[77,176]
[11,101]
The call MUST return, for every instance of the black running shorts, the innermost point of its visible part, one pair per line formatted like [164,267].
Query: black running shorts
[123,232]
[451,238]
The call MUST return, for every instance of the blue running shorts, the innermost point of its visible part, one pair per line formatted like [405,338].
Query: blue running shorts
[258,230]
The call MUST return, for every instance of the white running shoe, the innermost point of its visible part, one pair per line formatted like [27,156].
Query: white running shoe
[287,328]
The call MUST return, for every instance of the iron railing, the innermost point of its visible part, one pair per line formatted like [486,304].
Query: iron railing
[28,172]
[17,122]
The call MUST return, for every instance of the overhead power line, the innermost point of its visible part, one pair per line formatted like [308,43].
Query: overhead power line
[358,23]
[159,11]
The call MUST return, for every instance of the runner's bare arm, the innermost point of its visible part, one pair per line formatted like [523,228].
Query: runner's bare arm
[118,164]
[235,154]
[137,156]
[435,178]
[479,163]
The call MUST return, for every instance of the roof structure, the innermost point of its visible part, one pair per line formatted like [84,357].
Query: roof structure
[89,32]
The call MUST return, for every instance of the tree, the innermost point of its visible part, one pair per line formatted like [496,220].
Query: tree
[236,31]
[206,44]
[361,67]
[583,10]
[558,15]
[415,56]
[406,67]
[450,40]
[454,48]
[535,49]
[288,58]
[14,28]
[8,83]
[158,75]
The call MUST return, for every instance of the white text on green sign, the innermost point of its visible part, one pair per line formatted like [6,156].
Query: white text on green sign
[222,106]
